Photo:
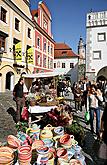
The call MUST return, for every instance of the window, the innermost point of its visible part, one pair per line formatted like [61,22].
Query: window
[3,14]
[38,42]
[97,55]
[51,64]
[58,64]
[48,63]
[29,33]
[17,24]
[101,37]
[44,46]
[44,61]
[2,42]
[45,24]
[54,65]
[63,65]
[71,65]
[51,50]
[48,48]
[38,59]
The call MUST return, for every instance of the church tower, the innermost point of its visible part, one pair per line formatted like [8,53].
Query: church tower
[81,51]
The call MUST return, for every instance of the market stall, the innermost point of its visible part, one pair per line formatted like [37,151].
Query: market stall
[42,94]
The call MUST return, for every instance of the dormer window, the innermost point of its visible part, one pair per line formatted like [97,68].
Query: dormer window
[64,53]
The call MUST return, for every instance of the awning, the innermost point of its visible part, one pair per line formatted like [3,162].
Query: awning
[42,75]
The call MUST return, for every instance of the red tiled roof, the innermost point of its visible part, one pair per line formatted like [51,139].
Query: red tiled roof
[33,12]
[62,50]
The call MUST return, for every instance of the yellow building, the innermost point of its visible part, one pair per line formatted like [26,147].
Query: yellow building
[16,42]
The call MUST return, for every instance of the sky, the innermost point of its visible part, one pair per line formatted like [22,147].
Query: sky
[69,18]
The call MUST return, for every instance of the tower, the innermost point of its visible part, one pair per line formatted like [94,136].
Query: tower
[81,51]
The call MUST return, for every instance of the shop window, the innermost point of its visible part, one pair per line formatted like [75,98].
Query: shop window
[3,14]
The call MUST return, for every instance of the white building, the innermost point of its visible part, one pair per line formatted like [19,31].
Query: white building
[66,61]
[96,45]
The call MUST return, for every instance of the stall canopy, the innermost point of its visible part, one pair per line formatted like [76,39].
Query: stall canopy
[29,78]
[41,75]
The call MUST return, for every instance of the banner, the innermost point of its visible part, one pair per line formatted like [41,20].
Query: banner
[18,52]
[30,55]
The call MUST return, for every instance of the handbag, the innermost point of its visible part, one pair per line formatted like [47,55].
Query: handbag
[87,116]
[102,153]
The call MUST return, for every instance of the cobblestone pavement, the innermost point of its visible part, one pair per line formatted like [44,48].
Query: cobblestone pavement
[7,115]
[7,127]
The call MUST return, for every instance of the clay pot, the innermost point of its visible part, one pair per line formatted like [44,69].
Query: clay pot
[6,156]
[66,140]
[24,154]
[13,142]
[62,153]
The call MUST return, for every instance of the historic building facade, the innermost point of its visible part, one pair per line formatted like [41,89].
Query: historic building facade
[66,61]
[96,45]
[16,42]
[44,43]
[26,42]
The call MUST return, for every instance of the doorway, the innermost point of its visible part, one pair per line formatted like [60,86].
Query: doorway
[10,81]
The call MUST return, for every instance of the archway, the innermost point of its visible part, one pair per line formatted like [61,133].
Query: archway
[102,74]
[10,80]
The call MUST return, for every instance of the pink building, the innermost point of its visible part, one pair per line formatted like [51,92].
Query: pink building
[44,43]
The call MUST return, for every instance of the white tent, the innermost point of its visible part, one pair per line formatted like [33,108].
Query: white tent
[29,78]
[42,75]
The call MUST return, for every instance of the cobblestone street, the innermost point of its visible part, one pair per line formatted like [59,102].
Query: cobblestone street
[7,126]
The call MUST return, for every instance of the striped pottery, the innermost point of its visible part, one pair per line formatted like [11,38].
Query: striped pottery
[66,141]
[62,162]
[37,144]
[59,130]
[48,142]
[75,161]
[62,153]
[6,155]
[53,150]
[49,127]
[50,158]
[46,134]
[13,142]
[44,160]
[24,154]
[43,150]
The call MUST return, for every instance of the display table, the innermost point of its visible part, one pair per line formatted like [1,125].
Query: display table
[38,111]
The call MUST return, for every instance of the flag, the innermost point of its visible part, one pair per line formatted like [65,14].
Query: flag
[18,52]
[30,55]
